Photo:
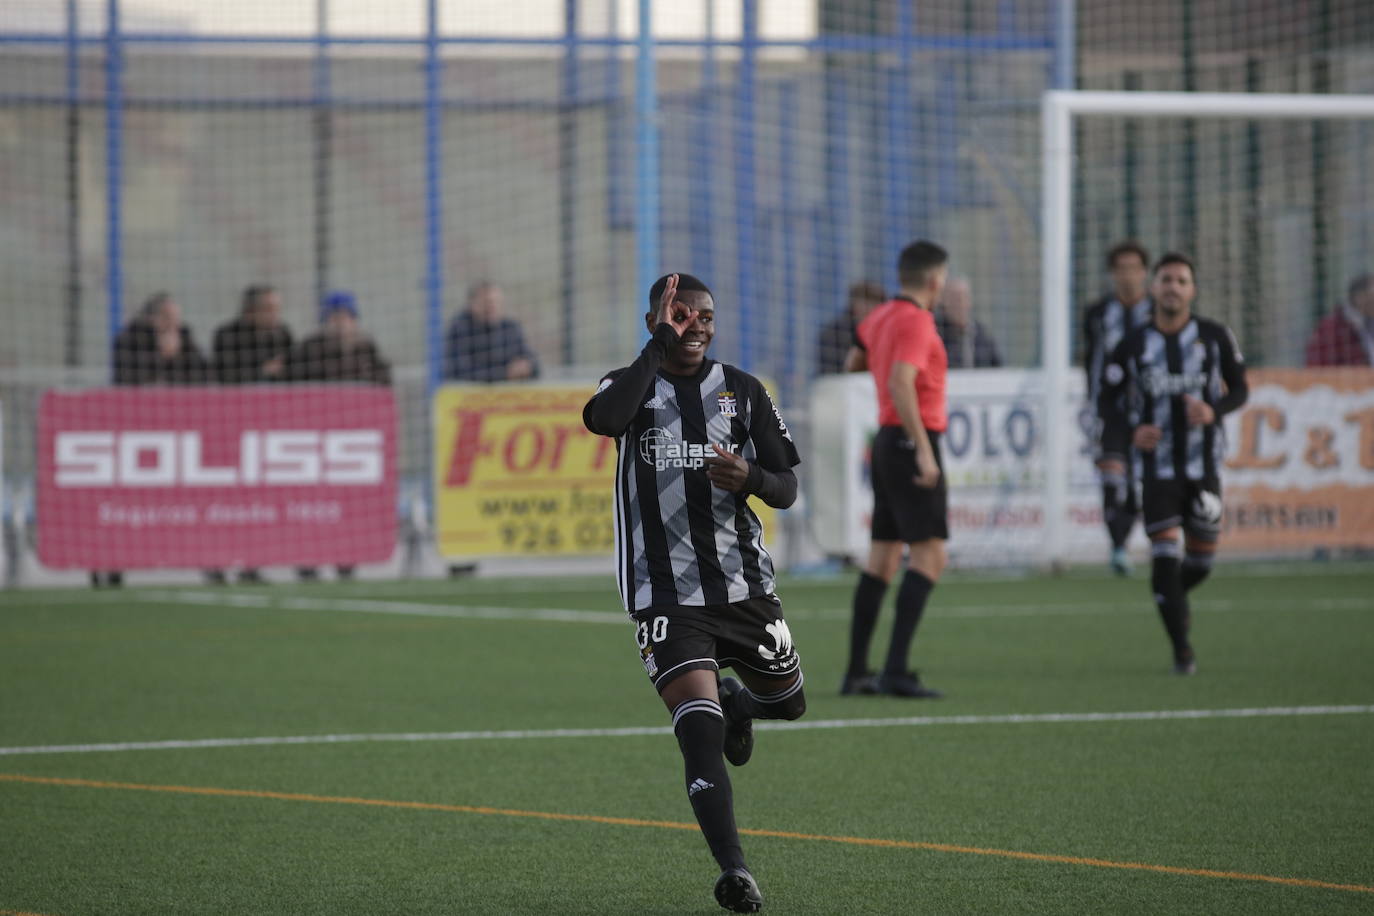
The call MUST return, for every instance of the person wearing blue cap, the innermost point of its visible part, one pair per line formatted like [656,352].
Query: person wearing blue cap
[339,351]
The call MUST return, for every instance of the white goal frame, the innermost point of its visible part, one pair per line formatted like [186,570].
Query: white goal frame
[1058,110]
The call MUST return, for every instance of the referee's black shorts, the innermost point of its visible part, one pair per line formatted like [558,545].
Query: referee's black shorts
[903,511]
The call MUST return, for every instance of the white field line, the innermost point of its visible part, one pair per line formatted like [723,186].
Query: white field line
[568,615]
[635,731]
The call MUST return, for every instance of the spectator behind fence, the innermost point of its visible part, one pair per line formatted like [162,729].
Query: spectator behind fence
[967,340]
[483,345]
[836,336]
[338,352]
[155,348]
[253,347]
[1346,336]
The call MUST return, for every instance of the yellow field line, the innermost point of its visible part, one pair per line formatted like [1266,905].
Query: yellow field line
[677,825]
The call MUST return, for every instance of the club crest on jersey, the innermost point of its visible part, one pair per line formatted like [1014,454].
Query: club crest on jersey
[729,407]
[661,450]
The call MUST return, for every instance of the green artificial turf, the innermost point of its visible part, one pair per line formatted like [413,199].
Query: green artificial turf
[1284,796]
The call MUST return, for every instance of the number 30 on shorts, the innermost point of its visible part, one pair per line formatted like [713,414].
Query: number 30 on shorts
[657,634]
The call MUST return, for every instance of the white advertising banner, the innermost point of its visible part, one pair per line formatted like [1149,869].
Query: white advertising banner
[1299,472]
[993,453]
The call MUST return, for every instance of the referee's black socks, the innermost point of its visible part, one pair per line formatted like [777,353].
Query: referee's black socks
[868,600]
[700,729]
[911,604]
[1166,580]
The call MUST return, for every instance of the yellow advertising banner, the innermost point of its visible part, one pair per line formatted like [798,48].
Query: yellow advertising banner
[1300,470]
[517,474]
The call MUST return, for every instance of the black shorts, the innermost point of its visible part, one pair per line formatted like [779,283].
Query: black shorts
[680,638]
[1194,505]
[903,511]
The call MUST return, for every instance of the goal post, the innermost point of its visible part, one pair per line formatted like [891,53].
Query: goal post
[1058,111]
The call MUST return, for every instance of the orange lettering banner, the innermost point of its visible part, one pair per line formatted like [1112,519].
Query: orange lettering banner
[1300,472]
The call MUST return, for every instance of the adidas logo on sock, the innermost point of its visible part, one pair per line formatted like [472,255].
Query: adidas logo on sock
[697,785]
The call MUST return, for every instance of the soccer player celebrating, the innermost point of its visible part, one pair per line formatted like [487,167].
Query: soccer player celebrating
[1104,324]
[1164,393]
[899,344]
[695,438]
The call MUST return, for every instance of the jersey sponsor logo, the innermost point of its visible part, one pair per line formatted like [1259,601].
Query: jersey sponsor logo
[662,450]
[728,405]
[170,458]
[1161,383]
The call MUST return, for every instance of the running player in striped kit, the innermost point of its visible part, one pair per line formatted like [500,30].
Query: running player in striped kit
[1164,393]
[1104,324]
[696,438]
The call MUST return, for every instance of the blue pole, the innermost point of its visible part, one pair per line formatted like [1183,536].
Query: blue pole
[646,156]
[745,216]
[791,361]
[1064,73]
[434,229]
[114,162]
[700,214]
[73,141]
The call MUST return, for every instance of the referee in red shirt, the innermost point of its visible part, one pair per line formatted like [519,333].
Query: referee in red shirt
[898,343]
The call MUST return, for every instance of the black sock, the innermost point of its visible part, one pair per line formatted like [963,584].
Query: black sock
[868,601]
[1167,583]
[911,603]
[1196,567]
[700,731]
[1118,510]
[788,703]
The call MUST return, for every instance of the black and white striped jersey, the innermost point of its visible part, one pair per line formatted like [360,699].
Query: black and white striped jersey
[680,540]
[1144,383]
[1104,324]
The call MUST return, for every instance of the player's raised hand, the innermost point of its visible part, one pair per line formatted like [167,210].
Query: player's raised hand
[1146,437]
[1199,412]
[727,470]
[673,313]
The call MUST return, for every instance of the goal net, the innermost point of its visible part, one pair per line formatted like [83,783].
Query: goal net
[484,191]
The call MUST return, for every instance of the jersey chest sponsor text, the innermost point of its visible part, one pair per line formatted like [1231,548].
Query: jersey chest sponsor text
[662,450]
[1161,383]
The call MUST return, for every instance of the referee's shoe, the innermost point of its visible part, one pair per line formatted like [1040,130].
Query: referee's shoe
[906,684]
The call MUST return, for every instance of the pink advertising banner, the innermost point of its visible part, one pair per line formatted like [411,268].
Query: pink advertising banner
[133,478]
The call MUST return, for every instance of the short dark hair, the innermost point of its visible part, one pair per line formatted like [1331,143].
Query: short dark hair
[917,260]
[1175,257]
[478,287]
[686,283]
[154,303]
[1130,246]
[867,291]
[253,293]
[1358,285]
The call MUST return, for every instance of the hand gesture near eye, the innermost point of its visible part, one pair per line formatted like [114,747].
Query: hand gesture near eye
[673,313]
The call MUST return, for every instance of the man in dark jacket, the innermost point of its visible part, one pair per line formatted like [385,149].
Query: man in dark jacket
[155,348]
[483,345]
[836,336]
[339,351]
[967,340]
[254,346]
